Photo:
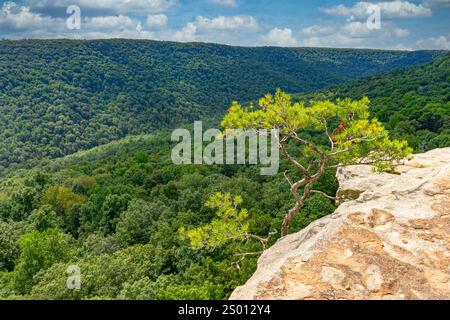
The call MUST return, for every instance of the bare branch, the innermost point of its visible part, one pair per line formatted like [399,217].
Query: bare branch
[307,143]
[324,194]
[242,257]
[287,178]
[364,139]
[291,158]
[330,139]
[262,240]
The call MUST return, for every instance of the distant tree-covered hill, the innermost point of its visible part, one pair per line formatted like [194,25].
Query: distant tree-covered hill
[61,96]
[414,103]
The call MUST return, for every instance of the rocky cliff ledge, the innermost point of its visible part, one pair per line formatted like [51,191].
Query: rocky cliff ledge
[389,239]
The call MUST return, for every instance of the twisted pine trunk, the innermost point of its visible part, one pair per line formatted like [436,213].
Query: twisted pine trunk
[307,182]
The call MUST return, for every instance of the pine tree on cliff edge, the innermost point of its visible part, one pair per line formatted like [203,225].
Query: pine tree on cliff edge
[352,138]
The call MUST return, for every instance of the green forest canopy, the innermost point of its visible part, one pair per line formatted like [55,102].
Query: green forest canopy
[61,96]
[115,210]
[413,103]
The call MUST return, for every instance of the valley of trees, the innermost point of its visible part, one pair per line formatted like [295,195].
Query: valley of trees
[118,211]
[61,96]
[137,225]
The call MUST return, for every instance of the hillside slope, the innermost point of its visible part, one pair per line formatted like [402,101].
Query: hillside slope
[116,211]
[413,103]
[61,96]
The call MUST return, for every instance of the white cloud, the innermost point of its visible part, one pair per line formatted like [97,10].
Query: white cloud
[225,3]
[389,9]
[357,29]
[156,20]
[400,33]
[21,22]
[280,37]
[113,6]
[402,47]
[317,29]
[120,26]
[186,34]
[436,3]
[20,18]
[215,29]
[442,42]
[111,23]
[227,23]
[352,34]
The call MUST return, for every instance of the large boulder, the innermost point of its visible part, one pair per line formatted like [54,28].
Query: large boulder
[389,239]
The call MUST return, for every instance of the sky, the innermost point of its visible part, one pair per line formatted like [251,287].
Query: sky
[397,24]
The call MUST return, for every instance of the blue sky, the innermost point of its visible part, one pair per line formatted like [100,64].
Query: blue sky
[390,24]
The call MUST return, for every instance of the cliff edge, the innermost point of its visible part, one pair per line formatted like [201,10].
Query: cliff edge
[389,239]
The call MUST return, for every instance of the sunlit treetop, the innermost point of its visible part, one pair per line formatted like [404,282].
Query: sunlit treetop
[353,137]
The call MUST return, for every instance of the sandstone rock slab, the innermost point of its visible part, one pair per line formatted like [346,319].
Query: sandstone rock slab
[388,239]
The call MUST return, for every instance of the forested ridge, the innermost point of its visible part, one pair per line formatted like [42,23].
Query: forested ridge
[414,103]
[61,96]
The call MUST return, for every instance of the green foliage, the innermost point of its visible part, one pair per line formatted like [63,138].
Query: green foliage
[61,96]
[61,199]
[45,218]
[352,137]
[135,224]
[39,251]
[10,233]
[167,288]
[230,224]
[139,254]
[83,184]
[413,103]
[116,210]
[113,207]
[96,243]
[315,208]
[126,231]
[18,203]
